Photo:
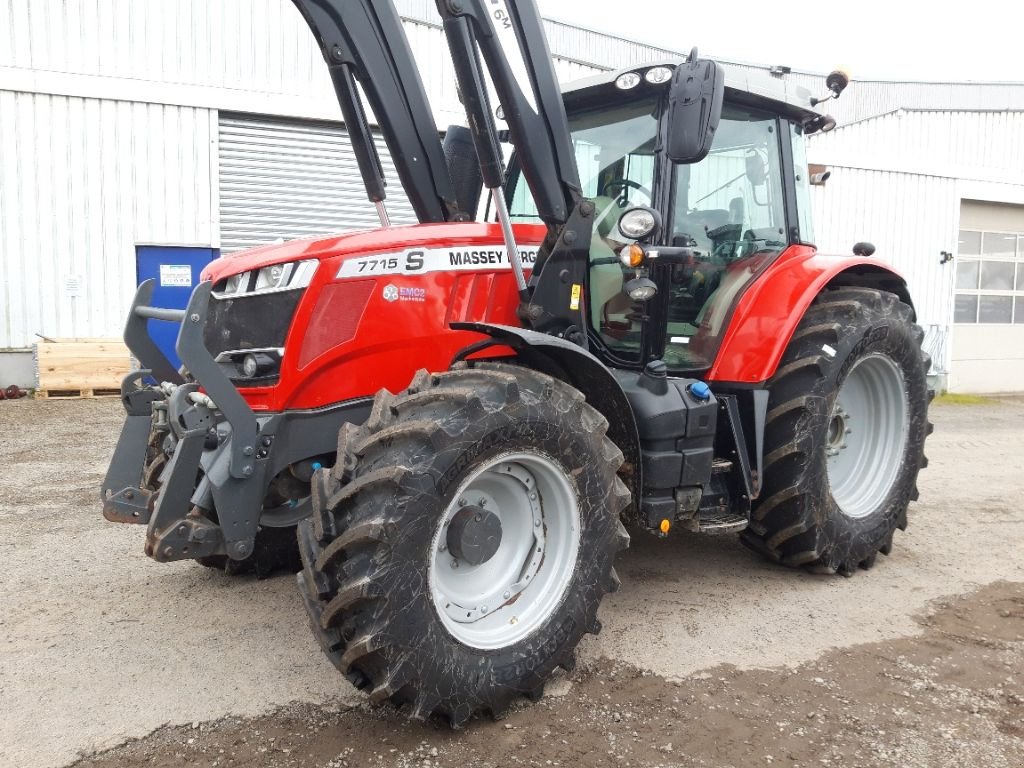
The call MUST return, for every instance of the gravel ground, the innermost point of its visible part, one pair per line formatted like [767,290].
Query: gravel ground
[709,656]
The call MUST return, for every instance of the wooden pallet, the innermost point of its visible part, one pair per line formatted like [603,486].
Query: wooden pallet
[75,394]
[74,368]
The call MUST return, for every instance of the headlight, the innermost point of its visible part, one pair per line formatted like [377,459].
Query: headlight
[272,277]
[276,277]
[640,288]
[237,283]
[658,75]
[638,223]
[250,366]
[627,80]
[259,363]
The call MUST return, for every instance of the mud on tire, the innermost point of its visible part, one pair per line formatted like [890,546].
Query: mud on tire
[368,547]
[798,520]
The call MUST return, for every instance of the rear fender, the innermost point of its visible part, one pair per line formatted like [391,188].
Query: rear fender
[573,364]
[770,310]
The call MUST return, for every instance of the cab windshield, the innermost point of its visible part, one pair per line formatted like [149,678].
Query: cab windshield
[615,155]
[728,210]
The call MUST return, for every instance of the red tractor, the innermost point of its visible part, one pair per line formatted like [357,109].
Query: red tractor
[458,417]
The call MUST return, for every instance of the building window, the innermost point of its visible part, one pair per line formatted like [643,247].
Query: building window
[990,278]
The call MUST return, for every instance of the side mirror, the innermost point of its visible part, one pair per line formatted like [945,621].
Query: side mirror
[694,109]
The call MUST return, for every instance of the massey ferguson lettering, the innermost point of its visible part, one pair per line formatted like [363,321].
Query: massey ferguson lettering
[421,260]
[488,258]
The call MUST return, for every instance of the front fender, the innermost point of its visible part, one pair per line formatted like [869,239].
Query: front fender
[770,310]
[575,365]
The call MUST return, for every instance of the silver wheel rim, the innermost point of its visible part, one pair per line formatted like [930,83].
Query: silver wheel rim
[503,600]
[866,435]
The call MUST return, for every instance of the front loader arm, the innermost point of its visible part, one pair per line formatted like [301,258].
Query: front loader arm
[511,38]
[510,35]
[363,40]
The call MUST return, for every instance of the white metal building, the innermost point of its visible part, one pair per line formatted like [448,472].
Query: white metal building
[212,123]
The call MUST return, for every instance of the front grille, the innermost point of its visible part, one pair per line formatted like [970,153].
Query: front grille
[253,321]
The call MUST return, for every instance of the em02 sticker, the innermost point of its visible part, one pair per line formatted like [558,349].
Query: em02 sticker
[393,293]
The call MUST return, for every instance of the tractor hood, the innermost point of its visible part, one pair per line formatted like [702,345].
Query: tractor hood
[370,241]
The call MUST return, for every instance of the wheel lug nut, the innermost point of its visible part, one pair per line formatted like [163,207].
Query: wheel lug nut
[483,609]
[444,548]
[455,563]
[536,522]
[482,502]
[462,502]
[508,595]
[533,496]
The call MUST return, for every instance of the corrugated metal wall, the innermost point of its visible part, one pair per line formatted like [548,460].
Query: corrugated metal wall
[248,47]
[81,182]
[83,179]
[965,144]
[256,45]
[289,179]
[897,181]
[910,218]
[867,98]
[241,55]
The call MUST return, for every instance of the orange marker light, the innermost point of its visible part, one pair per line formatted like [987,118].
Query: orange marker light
[665,526]
[631,256]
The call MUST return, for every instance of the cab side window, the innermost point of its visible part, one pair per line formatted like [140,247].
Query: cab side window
[729,210]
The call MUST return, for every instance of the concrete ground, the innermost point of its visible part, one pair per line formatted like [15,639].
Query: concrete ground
[99,645]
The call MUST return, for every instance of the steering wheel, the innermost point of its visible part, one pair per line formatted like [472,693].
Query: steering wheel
[622,185]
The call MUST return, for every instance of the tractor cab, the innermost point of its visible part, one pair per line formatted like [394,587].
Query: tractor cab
[704,229]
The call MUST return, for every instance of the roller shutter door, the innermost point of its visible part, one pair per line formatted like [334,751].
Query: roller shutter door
[283,179]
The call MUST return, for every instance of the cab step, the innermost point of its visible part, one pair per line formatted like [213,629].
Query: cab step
[714,522]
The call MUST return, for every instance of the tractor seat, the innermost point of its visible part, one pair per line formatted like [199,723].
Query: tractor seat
[697,224]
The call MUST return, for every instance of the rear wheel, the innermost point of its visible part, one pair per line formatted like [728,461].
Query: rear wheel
[845,432]
[460,548]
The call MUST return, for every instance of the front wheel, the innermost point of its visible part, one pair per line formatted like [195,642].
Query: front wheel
[844,436]
[460,547]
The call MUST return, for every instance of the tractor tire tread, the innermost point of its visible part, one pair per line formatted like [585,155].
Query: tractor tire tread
[347,543]
[786,524]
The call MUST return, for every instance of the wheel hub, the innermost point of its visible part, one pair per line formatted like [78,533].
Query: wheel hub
[505,549]
[474,535]
[838,430]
